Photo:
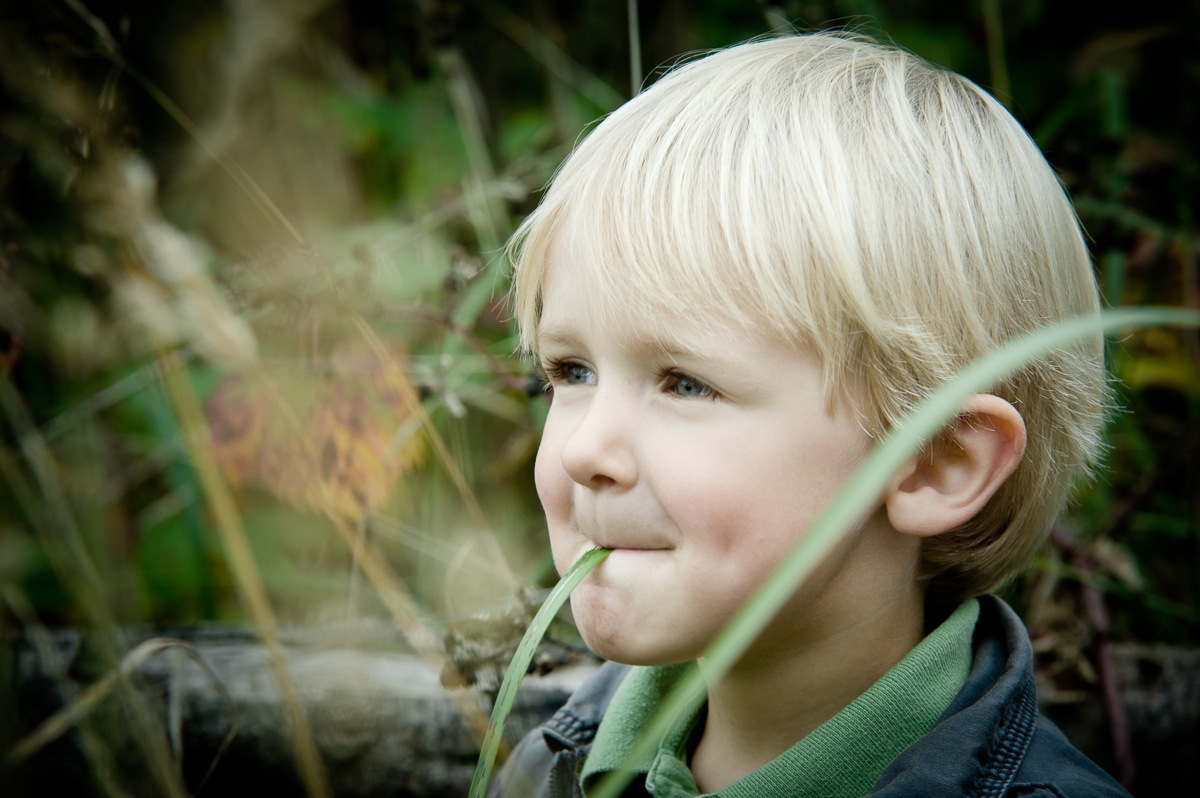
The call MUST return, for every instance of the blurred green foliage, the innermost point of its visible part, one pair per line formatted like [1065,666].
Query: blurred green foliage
[328,169]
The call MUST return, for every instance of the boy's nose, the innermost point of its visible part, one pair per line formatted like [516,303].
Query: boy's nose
[599,450]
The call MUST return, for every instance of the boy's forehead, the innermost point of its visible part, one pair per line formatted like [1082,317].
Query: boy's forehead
[577,304]
[635,266]
[665,271]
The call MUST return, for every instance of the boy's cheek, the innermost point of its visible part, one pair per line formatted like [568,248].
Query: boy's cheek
[550,480]
[566,544]
[554,491]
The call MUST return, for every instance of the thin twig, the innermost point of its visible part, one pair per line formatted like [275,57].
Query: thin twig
[1096,611]
[994,28]
[635,48]
[554,58]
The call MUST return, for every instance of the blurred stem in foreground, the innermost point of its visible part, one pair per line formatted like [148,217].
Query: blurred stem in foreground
[246,573]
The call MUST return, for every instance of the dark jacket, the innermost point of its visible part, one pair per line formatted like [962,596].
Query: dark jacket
[991,742]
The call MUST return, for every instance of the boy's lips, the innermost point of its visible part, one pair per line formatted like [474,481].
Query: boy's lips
[621,532]
[617,544]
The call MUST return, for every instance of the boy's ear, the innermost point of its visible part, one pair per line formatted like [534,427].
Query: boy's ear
[950,481]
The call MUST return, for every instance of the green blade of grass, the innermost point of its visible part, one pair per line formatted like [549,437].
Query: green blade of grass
[520,665]
[867,481]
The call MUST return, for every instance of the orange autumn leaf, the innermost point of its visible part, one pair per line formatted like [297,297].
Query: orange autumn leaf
[330,442]
[236,419]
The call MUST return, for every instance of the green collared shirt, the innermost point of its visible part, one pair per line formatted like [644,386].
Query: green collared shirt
[842,758]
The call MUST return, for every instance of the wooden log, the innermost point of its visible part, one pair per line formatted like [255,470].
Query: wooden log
[386,726]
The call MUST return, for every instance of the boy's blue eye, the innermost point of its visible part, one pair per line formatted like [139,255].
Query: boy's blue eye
[576,374]
[688,387]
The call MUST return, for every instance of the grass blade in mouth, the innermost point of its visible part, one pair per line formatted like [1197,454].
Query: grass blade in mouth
[520,665]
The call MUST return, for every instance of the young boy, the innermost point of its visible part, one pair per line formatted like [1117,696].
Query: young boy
[736,284]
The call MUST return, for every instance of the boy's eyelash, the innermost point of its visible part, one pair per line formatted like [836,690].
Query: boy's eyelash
[554,370]
[536,382]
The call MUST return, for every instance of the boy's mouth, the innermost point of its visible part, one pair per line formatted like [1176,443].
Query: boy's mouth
[617,545]
[626,534]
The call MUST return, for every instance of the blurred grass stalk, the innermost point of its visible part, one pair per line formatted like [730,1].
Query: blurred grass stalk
[63,543]
[77,707]
[994,28]
[241,559]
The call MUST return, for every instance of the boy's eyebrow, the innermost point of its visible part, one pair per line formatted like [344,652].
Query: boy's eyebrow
[564,335]
[558,334]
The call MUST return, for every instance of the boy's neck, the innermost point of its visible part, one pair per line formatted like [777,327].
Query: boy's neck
[774,698]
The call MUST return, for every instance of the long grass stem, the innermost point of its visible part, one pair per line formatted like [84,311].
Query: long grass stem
[520,665]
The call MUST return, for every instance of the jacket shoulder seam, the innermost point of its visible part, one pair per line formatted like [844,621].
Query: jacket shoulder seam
[1008,745]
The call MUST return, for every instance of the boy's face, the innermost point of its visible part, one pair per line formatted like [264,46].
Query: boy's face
[699,459]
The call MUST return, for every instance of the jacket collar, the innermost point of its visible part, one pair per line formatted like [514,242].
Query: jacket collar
[980,742]
[574,725]
[983,737]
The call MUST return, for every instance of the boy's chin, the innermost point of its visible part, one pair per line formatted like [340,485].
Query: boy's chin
[639,657]
[633,629]
[628,647]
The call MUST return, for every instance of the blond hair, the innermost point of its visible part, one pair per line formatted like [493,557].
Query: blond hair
[856,199]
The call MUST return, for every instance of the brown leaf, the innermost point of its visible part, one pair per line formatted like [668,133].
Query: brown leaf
[330,446]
